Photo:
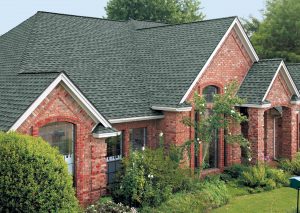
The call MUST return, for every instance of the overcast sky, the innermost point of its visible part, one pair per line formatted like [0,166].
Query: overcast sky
[13,12]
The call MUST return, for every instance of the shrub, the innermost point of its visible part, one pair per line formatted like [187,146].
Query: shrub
[214,193]
[33,176]
[233,172]
[278,176]
[148,178]
[256,176]
[261,177]
[205,195]
[109,207]
[292,167]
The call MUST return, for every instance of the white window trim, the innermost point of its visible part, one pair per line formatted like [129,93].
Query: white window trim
[75,93]
[288,79]
[236,25]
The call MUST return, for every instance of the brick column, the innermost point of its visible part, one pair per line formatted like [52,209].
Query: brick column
[256,133]
[269,134]
[126,142]
[289,132]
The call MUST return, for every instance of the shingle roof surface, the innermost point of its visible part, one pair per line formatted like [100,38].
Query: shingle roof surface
[258,79]
[294,70]
[123,68]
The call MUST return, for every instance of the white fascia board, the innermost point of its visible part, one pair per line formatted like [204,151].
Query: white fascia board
[240,31]
[288,79]
[106,135]
[295,102]
[74,91]
[172,109]
[125,120]
[262,106]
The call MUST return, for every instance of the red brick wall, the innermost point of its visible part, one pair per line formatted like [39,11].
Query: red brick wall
[90,162]
[152,133]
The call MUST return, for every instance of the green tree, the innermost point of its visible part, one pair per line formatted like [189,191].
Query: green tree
[251,25]
[168,11]
[279,33]
[224,114]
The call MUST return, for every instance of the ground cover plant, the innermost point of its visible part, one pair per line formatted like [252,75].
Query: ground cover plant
[33,176]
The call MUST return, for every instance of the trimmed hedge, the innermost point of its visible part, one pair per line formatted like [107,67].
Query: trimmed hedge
[33,176]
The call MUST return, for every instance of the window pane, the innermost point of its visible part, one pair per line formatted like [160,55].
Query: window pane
[209,93]
[61,135]
[114,147]
[138,138]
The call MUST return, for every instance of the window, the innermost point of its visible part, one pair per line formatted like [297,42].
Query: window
[114,148]
[209,92]
[61,135]
[211,149]
[138,138]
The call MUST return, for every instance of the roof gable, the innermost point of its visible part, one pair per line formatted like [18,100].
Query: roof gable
[260,79]
[236,25]
[75,93]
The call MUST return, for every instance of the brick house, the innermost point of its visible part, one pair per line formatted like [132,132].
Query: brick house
[97,88]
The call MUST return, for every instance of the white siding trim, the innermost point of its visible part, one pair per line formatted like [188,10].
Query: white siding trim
[76,94]
[106,135]
[262,106]
[144,118]
[240,31]
[172,109]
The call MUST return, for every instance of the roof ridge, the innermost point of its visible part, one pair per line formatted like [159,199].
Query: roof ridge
[80,16]
[29,38]
[185,23]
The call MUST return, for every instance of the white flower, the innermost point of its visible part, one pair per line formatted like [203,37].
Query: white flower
[161,134]
[198,139]
[143,148]
[250,159]
[232,111]
[202,104]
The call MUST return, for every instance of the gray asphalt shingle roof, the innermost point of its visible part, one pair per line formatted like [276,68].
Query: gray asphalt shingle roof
[294,69]
[123,68]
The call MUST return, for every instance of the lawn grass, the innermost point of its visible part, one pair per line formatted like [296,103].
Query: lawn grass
[278,200]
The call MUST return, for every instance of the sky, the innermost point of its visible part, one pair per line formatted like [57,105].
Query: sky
[13,12]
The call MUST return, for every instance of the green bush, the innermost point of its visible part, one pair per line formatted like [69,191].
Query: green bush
[256,176]
[33,176]
[205,195]
[233,172]
[109,207]
[149,178]
[291,166]
[261,177]
[278,176]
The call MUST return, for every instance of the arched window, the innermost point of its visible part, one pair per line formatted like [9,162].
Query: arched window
[61,135]
[209,92]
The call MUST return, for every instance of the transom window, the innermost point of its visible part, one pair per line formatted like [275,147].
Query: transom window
[138,138]
[62,136]
[209,92]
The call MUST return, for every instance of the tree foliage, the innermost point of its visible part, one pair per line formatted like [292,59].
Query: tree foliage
[168,11]
[279,33]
